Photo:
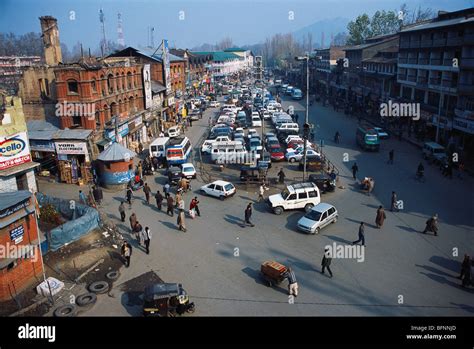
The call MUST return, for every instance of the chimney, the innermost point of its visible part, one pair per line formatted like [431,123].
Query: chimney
[50,35]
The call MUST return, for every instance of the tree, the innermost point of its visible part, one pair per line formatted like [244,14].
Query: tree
[340,39]
[384,23]
[359,30]
[224,43]
[418,15]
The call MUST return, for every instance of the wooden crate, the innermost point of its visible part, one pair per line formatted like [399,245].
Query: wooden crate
[272,269]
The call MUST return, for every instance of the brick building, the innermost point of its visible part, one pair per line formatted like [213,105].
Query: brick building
[21,266]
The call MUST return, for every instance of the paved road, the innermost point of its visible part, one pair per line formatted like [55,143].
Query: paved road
[218,261]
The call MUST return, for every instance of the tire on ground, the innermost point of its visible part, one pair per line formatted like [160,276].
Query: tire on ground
[65,310]
[86,299]
[99,287]
[112,275]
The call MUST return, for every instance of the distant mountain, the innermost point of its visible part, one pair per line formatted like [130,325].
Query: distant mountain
[328,26]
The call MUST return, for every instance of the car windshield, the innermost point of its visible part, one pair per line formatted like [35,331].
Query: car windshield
[285,193]
[313,215]
[275,150]
[188,169]
[228,187]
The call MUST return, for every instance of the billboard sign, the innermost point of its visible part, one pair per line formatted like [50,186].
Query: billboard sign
[147,86]
[14,150]
[166,66]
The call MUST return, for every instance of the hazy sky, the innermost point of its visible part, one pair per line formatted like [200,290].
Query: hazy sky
[205,21]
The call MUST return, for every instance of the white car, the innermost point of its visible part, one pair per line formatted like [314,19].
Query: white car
[252,133]
[219,189]
[320,216]
[295,196]
[382,134]
[207,146]
[292,138]
[267,115]
[297,156]
[256,121]
[174,131]
[188,170]
[214,104]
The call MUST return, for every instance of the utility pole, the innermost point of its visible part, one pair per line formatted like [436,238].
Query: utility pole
[306,122]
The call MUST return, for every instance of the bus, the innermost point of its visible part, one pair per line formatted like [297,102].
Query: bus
[367,138]
[178,151]
[158,147]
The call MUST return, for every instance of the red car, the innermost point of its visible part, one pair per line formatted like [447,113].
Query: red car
[276,154]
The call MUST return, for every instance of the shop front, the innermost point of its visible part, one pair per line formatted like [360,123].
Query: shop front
[44,152]
[122,132]
[137,133]
[73,162]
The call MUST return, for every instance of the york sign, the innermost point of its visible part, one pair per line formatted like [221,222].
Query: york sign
[14,150]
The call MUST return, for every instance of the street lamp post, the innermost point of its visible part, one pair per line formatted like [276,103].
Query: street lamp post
[306,122]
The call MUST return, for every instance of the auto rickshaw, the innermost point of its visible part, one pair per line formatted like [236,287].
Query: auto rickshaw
[324,182]
[166,299]
[253,174]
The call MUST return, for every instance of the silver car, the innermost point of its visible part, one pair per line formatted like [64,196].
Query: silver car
[320,215]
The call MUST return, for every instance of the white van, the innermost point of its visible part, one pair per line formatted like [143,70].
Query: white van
[158,147]
[290,126]
[283,120]
[228,152]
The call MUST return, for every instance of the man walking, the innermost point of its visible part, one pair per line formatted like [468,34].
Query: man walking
[390,157]
[261,191]
[159,199]
[133,221]
[292,284]
[147,191]
[326,262]
[195,206]
[281,176]
[181,222]
[122,211]
[380,217]
[361,235]
[248,214]
[146,239]
[355,169]
[432,225]
[166,188]
[170,205]
[126,252]
[129,197]
[393,206]
[137,229]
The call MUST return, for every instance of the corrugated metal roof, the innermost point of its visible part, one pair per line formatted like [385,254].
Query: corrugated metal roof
[116,152]
[437,24]
[10,199]
[42,130]
[73,134]
[157,87]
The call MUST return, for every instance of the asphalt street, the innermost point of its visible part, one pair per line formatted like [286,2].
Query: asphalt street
[218,260]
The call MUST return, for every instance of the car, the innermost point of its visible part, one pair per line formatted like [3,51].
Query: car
[276,154]
[382,134]
[433,152]
[174,175]
[298,147]
[219,189]
[296,196]
[313,163]
[255,144]
[272,142]
[289,138]
[174,131]
[194,115]
[317,218]
[297,156]
[207,146]
[256,121]
[269,134]
[188,171]
[266,115]
[324,182]
[252,133]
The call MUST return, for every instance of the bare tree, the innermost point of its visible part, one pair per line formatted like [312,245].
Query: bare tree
[224,43]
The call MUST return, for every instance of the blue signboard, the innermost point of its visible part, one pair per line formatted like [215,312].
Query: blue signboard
[16,234]
[122,130]
[42,145]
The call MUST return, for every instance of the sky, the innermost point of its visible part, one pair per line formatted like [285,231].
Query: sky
[188,23]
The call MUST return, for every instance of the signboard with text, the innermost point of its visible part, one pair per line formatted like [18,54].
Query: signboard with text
[14,150]
[166,66]
[147,86]
[71,148]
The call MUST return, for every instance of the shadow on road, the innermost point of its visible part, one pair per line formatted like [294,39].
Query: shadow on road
[407,229]
[234,220]
[447,263]
[338,239]
[257,277]
[434,270]
[169,225]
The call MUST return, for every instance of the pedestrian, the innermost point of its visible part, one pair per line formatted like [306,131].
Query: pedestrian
[82,198]
[354,168]
[191,122]
[170,205]
[326,262]
[393,202]
[147,191]
[140,147]
[361,234]
[122,211]
[129,196]
[178,197]
[248,215]
[181,219]
[166,188]
[139,171]
[95,194]
[137,229]
[126,253]
[466,273]
[146,237]
[380,218]
[292,284]
[281,176]
[390,157]
[195,206]
[337,137]
[133,220]
[159,199]
[261,191]
[432,225]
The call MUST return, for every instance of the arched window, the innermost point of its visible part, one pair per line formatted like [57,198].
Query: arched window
[114,109]
[97,120]
[103,85]
[94,86]
[131,103]
[110,84]
[107,116]
[129,80]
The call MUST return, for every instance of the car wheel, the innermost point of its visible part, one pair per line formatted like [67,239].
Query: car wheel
[308,207]
[278,210]
[222,197]
[334,220]
[292,160]
[316,231]
[203,192]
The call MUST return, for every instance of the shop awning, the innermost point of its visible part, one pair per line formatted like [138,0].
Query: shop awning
[17,169]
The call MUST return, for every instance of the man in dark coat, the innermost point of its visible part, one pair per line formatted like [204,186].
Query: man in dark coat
[466,273]
[122,211]
[380,218]
[129,196]
[159,199]
[355,169]
[248,214]
[281,176]
[170,205]
[432,225]
[147,191]
[361,235]
[326,262]
[126,253]
[393,202]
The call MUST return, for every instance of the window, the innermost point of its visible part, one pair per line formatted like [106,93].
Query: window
[211,186]
[325,215]
[110,82]
[292,197]
[313,194]
[303,195]
[219,188]
[93,86]
[332,210]
[72,87]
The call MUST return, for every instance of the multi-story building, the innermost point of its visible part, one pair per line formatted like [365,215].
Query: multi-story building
[323,66]
[197,68]
[436,69]
[224,63]
[247,57]
[11,70]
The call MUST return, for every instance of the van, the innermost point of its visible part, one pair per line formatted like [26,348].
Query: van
[290,127]
[367,138]
[296,196]
[283,120]
[158,147]
[228,153]
[297,94]
[434,152]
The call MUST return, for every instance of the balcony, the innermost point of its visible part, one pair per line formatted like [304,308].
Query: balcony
[435,81]
[411,78]
[422,81]
[415,44]
[455,41]
[448,83]
[439,42]
[466,88]
[448,62]
[426,43]
[403,60]
[402,77]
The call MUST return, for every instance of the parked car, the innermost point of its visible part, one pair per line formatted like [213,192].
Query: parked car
[188,171]
[174,131]
[276,154]
[296,196]
[272,142]
[434,152]
[219,189]
[320,216]
[324,182]
[214,104]
[382,134]
[297,156]
[252,133]
[207,146]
